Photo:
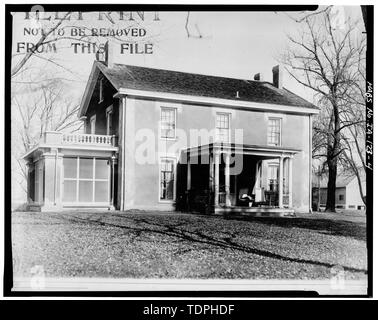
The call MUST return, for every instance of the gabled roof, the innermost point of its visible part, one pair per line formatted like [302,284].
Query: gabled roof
[198,85]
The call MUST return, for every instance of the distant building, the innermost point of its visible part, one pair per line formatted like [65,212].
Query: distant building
[347,195]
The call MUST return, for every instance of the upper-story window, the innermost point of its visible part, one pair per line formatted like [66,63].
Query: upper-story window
[168,123]
[109,120]
[274,132]
[222,127]
[101,90]
[93,124]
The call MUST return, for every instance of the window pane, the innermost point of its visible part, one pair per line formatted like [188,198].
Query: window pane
[222,127]
[70,167]
[86,168]
[273,172]
[167,122]
[101,191]
[274,131]
[102,169]
[85,191]
[273,178]
[169,192]
[69,194]
[223,135]
[223,121]
[166,180]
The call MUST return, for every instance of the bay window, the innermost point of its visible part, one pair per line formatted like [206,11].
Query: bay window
[86,180]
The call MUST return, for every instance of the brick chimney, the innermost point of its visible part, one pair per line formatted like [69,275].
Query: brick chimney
[106,54]
[110,54]
[277,77]
[258,77]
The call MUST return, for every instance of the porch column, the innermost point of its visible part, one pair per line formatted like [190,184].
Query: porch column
[28,182]
[257,174]
[113,163]
[211,173]
[290,182]
[39,177]
[227,178]
[280,183]
[121,154]
[188,175]
[216,177]
[53,180]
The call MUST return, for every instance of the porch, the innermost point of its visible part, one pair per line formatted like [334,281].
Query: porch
[243,179]
[72,171]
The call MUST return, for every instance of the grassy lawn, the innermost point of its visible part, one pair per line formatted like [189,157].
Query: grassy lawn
[173,245]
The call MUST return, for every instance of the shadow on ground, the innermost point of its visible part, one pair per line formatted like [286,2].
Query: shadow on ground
[325,226]
[143,225]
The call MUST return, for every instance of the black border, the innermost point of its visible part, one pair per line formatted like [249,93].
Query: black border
[369,138]
[8,281]
[245,309]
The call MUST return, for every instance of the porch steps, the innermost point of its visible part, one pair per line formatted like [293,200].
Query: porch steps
[256,212]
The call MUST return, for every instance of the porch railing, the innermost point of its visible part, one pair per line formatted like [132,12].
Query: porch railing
[91,139]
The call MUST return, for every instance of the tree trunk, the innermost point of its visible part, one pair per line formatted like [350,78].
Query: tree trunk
[360,187]
[331,186]
[332,156]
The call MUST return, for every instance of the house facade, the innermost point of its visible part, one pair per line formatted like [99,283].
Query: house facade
[165,140]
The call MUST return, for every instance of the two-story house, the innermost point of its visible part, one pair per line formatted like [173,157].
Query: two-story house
[165,140]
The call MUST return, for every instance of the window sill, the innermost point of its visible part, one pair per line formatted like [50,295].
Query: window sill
[168,139]
[166,201]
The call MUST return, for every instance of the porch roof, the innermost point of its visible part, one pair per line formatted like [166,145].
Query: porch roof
[238,148]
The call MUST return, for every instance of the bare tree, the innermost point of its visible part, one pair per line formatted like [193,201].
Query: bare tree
[353,158]
[353,139]
[43,107]
[326,59]
[198,34]
[320,133]
[44,39]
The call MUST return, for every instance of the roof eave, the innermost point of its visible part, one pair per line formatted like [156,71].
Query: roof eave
[88,90]
[97,68]
[241,104]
